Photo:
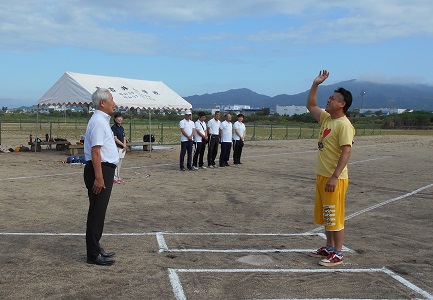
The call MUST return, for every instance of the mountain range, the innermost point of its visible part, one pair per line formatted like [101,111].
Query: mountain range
[377,95]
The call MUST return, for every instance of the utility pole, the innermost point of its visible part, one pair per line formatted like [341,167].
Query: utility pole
[363,92]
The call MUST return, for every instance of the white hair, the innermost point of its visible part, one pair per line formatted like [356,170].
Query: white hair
[99,95]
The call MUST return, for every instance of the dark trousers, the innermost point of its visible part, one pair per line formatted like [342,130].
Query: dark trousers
[225,153]
[186,148]
[212,150]
[198,154]
[98,204]
[237,150]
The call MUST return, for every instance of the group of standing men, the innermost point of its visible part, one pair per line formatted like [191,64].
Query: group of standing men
[198,134]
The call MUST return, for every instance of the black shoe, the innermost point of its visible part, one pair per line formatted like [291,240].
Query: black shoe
[182,169]
[222,166]
[100,260]
[227,165]
[107,254]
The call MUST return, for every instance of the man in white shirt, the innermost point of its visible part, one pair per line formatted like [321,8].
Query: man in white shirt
[200,139]
[238,139]
[187,131]
[101,156]
[226,134]
[213,130]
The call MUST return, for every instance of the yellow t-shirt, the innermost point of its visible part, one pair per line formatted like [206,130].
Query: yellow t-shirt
[334,133]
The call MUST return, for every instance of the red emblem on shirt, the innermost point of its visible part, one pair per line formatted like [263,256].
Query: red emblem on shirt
[326,132]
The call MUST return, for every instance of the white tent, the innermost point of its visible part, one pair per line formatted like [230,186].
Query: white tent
[74,89]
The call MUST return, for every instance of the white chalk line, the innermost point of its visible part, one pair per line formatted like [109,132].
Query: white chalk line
[276,250]
[162,245]
[389,201]
[174,279]
[242,250]
[160,234]
[73,234]
[380,205]
[315,150]
[408,284]
[40,176]
[176,285]
[171,164]
[367,160]
[237,233]
[331,299]
[73,173]
[180,294]
[177,288]
[280,154]
[164,248]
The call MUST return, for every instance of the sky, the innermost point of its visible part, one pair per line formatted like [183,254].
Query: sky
[195,47]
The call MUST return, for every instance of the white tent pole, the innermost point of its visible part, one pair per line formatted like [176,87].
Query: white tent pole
[150,133]
[37,130]
[130,125]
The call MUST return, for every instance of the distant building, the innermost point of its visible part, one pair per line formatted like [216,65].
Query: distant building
[249,111]
[235,108]
[383,111]
[286,110]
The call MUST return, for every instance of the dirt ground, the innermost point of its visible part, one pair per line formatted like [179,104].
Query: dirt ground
[240,232]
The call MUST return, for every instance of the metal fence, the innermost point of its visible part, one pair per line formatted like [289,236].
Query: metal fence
[165,133]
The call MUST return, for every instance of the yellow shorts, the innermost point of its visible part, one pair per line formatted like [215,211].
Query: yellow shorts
[329,206]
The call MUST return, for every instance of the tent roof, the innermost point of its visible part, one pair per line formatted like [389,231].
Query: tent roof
[74,89]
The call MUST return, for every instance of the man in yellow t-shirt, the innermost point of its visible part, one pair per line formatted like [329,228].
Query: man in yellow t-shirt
[334,150]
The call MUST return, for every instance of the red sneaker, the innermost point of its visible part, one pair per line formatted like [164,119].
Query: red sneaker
[332,260]
[321,252]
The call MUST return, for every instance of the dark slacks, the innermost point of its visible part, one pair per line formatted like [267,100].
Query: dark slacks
[212,150]
[98,204]
[186,148]
[237,151]
[200,147]
[225,153]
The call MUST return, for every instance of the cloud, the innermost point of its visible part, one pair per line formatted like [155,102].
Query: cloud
[198,10]
[159,27]
[358,22]
[34,27]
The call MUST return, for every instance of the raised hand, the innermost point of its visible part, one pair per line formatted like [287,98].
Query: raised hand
[323,75]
